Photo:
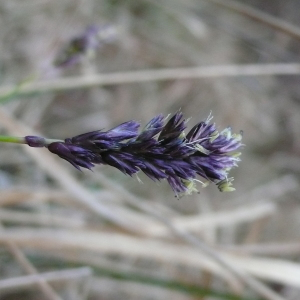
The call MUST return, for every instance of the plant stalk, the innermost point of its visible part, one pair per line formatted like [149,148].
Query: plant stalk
[22,140]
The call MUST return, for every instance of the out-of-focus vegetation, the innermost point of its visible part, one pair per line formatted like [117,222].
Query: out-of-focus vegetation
[102,235]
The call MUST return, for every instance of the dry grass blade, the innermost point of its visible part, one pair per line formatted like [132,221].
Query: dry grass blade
[55,276]
[154,75]
[12,197]
[260,16]
[273,270]
[9,197]
[285,249]
[274,189]
[219,219]
[42,219]
[109,243]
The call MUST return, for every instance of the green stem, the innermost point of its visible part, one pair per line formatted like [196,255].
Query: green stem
[12,139]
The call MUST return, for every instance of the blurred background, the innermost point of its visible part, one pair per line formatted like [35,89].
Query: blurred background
[69,67]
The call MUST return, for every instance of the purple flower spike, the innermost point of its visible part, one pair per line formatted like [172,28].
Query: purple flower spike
[161,151]
[82,45]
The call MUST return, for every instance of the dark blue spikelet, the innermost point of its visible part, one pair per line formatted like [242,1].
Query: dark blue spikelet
[161,150]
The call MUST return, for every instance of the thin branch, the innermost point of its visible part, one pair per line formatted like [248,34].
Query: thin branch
[154,75]
[260,16]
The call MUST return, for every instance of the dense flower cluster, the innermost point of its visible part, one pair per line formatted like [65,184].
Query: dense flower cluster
[161,151]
